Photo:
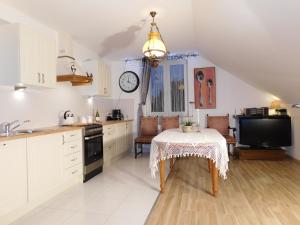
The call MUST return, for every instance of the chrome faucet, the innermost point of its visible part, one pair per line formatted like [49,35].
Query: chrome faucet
[9,127]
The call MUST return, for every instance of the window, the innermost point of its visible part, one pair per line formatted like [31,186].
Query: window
[168,89]
[177,88]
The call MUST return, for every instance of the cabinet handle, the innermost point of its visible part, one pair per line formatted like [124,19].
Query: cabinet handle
[4,144]
[74,146]
[75,171]
[43,78]
[72,160]
[63,139]
[72,135]
[39,77]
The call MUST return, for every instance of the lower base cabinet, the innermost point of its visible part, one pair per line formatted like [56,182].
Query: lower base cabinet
[34,169]
[45,172]
[117,140]
[13,173]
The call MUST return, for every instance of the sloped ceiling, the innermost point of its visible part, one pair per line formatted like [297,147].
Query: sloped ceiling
[258,41]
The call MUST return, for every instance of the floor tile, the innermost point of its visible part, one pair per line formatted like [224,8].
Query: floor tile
[123,194]
[46,217]
[87,219]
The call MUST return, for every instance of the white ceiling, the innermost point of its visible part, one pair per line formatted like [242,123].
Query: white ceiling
[115,28]
[258,41]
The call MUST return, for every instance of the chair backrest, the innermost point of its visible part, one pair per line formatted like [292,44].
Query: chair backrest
[220,123]
[169,122]
[149,126]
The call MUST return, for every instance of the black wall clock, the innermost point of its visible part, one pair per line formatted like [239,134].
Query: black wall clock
[129,81]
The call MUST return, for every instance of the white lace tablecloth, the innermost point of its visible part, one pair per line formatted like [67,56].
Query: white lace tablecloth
[208,143]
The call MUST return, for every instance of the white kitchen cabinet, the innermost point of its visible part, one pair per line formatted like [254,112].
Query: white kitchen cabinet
[129,135]
[117,140]
[45,165]
[108,152]
[121,139]
[72,156]
[27,57]
[13,173]
[101,85]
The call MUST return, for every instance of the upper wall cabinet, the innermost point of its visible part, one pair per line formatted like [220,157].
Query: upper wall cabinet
[27,57]
[101,85]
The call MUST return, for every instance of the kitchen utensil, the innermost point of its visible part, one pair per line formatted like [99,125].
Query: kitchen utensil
[68,118]
[200,78]
[209,84]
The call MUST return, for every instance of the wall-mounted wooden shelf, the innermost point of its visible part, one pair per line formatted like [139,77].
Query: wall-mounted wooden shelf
[76,80]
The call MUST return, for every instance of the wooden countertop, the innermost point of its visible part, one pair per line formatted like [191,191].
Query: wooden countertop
[43,131]
[110,122]
[58,129]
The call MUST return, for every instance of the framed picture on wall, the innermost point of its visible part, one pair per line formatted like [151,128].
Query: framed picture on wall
[205,88]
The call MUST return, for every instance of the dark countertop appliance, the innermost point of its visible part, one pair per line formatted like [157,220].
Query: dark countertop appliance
[115,115]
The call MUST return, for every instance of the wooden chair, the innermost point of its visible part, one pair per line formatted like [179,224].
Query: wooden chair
[221,124]
[169,122]
[148,130]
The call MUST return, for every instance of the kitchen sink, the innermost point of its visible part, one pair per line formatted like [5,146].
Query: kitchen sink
[31,131]
[28,131]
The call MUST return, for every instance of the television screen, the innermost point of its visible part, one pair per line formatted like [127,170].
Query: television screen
[264,132]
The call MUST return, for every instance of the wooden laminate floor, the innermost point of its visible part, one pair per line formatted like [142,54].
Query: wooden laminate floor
[255,192]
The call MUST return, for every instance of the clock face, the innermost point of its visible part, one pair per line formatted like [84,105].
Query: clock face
[129,81]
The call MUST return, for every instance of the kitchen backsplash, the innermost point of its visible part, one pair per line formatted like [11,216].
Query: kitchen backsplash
[44,107]
[105,106]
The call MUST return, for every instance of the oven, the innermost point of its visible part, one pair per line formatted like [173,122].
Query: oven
[93,151]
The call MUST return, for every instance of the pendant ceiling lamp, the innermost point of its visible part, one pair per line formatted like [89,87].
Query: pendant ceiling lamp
[154,48]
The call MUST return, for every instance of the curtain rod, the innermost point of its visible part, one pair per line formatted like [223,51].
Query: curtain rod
[170,56]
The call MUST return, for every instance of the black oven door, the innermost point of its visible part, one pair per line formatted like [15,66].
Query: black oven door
[93,148]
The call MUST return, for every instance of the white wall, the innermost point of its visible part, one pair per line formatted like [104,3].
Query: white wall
[232,93]
[294,151]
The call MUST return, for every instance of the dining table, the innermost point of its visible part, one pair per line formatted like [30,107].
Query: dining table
[174,143]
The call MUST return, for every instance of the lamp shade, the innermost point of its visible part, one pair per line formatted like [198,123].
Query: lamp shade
[154,46]
[276,104]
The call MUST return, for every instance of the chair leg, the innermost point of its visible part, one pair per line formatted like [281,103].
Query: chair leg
[135,150]
[142,149]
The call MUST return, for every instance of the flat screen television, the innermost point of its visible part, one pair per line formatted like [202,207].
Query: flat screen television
[264,132]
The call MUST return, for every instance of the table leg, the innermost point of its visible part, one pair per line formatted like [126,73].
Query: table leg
[214,178]
[209,165]
[171,165]
[162,171]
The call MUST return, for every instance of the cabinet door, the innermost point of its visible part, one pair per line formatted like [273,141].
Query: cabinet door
[107,87]
[108,152]
[91,67]
[13,173]
[47,52]
[129,132]
[29,57]
[121,140]
[44,165]
[37,58]
[105,80]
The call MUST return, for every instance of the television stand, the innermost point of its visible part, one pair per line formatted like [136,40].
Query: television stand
[260,153]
